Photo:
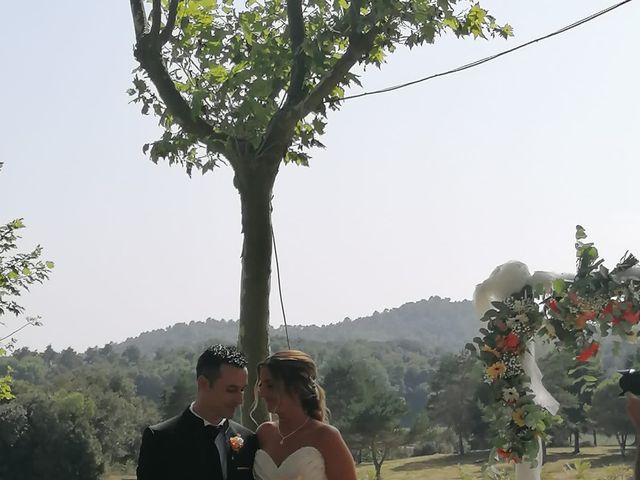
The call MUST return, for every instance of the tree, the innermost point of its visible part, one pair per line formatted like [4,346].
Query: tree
[181,393]
[572,383]
[45,438]
[364,405]
[252,87]
[452,398]
[608,413]
[377,420]
[18,272]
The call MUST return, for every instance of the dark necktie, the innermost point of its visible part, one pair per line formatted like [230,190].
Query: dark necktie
[216,466]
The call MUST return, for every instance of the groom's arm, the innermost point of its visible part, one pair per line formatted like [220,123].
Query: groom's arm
[150,455]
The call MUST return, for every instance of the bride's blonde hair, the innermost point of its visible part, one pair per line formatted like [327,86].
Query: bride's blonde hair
[295,372]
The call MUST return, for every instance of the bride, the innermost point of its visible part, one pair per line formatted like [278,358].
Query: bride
[300,444]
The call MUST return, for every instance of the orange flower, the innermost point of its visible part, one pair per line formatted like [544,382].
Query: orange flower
[509,343]
[507,455]
[503,453]
[487,348]
[496,370]
[588,352]
[583,318]
[236,442]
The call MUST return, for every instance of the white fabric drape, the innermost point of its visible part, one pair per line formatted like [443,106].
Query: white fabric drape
[504,281]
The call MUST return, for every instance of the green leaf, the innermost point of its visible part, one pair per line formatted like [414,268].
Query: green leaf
[49,264]
[451,22]
[218,73]
[16,224]
[559,286]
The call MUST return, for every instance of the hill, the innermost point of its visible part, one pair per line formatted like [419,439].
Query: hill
[437,323]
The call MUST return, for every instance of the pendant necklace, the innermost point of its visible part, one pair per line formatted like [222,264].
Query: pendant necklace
[284,437]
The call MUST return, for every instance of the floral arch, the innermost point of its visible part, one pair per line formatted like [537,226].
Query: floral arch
[571,311]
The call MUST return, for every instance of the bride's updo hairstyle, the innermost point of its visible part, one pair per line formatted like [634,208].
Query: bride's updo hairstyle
[295,372]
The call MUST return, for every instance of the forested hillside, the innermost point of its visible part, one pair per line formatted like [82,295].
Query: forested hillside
[437,323]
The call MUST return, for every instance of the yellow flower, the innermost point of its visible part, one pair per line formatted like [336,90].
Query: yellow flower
[487,348]
[518,417]
[496,370]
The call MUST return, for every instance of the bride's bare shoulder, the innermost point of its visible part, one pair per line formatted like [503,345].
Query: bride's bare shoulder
[266,430]
[326,433]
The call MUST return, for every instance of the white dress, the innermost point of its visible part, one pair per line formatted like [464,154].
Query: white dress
[306,463]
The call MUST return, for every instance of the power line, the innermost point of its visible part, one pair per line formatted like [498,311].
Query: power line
[486,59]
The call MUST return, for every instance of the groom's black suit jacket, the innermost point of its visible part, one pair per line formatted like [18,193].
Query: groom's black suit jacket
[182,449]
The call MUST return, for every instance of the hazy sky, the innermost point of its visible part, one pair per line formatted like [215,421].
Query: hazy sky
[419,192]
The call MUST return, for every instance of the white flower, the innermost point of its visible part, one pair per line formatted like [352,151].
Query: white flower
[519,306]
[519,319]
[510,394]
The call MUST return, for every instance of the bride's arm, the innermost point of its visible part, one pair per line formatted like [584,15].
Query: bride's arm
[338,462]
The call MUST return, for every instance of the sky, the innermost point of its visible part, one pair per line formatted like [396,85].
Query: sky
[419,192]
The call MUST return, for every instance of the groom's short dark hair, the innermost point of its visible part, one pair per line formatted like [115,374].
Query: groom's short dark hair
[212,359]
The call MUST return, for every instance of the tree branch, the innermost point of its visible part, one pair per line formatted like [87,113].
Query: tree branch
[148,52]
[139,18]
[352,55]
[156,18]
[354,17]
[171,21]
[298,69]
[280,129]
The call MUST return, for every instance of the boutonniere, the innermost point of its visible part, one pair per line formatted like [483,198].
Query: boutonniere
[236,442]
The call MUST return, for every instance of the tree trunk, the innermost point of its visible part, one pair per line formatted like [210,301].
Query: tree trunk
[576,441]
[255,188]
[377,463]
[595,438]
[544,451]
[622,443]
[460,444]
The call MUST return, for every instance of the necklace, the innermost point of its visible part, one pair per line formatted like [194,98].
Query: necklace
[284,437]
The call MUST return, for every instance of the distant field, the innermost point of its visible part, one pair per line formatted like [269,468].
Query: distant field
[606,464]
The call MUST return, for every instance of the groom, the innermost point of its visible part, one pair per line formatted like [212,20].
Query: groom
[203,443]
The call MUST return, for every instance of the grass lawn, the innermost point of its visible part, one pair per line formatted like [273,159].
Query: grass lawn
[605,464]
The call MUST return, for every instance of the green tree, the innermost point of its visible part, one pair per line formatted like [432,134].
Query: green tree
[608,412]
[18,271]
[48,438]
[572,383]
[252,86]
[181,393]
[364,405]
[376,419]
[452,400]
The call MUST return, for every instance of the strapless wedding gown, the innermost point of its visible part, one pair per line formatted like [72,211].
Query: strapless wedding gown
[306,463]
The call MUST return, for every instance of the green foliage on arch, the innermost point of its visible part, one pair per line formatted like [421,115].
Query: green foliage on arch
[573,315]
